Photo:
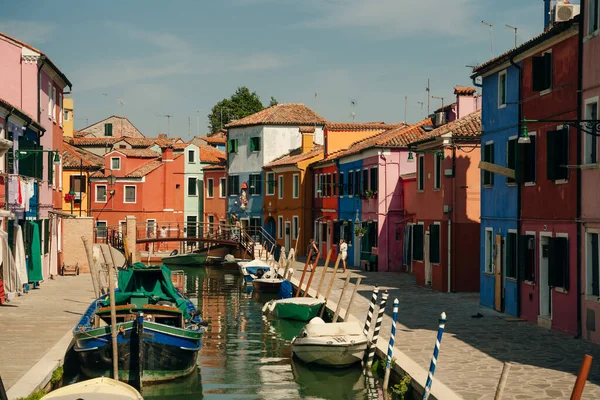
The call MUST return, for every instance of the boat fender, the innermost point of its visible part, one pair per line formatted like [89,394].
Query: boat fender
[316,320]
[173,253]
[105,354]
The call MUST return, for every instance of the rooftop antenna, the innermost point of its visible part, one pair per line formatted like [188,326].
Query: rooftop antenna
[439,98]
[428,90]
[516,29]
[421,104]
[168,117]
[491,36]
[353,102]
[405,102]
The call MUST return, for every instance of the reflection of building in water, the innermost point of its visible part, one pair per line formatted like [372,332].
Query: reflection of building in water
[277,380]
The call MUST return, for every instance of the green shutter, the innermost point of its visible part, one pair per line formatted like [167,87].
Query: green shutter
[50,168]
[108,130]
[252,144]
[235,146]
[418,242]
[551,155]
[434,244]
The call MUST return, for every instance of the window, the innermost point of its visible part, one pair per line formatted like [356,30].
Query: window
[271,183]
[255,184]
[232,146]
[593,16]
[421,174]
[350,184]
[592,265]
[151,228]
[234,185]
[341,184]
[222,187]
[489,251]
[191,156]
[488,156]
[374,179]
[66,115]
[334,183]
[129,194]
[211,224]
[357,183]
[502,89]
[115,163]
[437,171]
[280,227]
[295,226]
[108,130]
[317,188]
[210,188]
[434,243]
[296,186]
[77,183]
[511,156]
[511,255]
[101,229]
[365,179]
[54,104]
[591,141]
[542,72]
[526,160]
[418,242]
[280,187]
[328,185]
[527,257]
[100,193]
[557,154]
[60,109]
[322,187]
[50,106]
[558,262]
[255,144]
[192,187]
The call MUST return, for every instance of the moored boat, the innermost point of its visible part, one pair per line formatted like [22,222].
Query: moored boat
[159,329]
[299,308]
[254,269]
[189,259]
[95,389]
[337,344]
[267,285]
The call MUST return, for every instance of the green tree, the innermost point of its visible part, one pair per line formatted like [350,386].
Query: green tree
[273,102]
[241,104]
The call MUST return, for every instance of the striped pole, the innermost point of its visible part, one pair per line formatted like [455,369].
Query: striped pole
[373,343]
[367,327]
[388,366]
[436,351]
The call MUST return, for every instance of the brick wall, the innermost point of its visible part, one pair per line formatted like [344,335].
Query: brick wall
[73,249]
[120,127]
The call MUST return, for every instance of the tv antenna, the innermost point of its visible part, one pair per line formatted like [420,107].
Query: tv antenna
[353,102]
[491,36]
[168,117]
[421,103]
[515,29]
[439,98]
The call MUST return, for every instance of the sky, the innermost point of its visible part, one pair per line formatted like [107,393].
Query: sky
[345,59]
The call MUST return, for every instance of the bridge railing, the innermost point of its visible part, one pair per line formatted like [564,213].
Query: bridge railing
[113,235]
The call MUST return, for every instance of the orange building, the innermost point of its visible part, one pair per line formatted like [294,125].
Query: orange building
[287,206]
[215,195]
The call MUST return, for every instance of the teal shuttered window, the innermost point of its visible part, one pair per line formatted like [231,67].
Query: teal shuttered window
[434,244]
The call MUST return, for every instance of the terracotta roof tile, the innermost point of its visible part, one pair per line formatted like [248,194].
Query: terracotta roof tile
[79,134]
[164,142]
[295,156]
[138,142]
[209,154]
[307,129]
[281,114]
[74,157]
[94,141]
[144,169]
[180,146]
[219,137]
[446,108]
[464,90]
[360,126]
[139,153]
[467,127]
[216,167]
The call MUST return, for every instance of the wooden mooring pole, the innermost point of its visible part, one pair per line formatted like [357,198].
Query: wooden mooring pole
[335,268]
[323,275]
[581,377]
[113,313]
[356,285]
[339,304]
[92,264]
[314,269]
[303,273]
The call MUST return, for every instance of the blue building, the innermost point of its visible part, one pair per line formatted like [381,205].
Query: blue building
[350,204]
[499,193]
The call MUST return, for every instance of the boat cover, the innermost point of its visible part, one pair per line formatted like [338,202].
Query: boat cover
[34,264]
[307,301]
[285,290]
[334,329]
[153,282]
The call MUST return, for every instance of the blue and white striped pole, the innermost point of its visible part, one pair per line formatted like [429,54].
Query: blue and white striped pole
[388,366]
[373,344]
[436,351]
[367,326]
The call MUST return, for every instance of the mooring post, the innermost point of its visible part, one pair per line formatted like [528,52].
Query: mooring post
[373,343]
[113,313]
[356,285]
[140,328]
[303,273]
[374,296]
[388,365]
[436,351]
[339,304]
[581,377]
[92,264]
[335,268]
[312,273]
[502,381]
[323,275]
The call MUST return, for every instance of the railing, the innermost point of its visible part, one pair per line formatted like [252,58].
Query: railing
[111,235]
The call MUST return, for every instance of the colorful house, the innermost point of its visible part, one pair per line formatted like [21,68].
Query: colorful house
[77,166]
[288,194]
[447,201]
[215,195]
[113,126]
[590,175]
[255,141]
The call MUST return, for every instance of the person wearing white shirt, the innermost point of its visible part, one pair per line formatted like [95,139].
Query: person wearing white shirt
[344,252]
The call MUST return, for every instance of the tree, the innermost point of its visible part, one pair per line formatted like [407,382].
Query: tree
[273,102]
[241,104]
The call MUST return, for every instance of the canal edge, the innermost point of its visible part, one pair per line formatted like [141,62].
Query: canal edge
[409,367]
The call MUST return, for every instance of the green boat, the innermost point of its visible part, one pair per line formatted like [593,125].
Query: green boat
[190,259]
[298,308]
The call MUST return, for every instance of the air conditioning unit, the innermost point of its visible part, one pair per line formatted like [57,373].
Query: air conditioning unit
[440,118]
[447,208]
[565,11]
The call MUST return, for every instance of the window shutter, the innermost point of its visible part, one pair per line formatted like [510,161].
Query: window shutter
[558,262]
[374,179]
[563,153]
[252,144]
[551,155]
[434,244]
[418,242]
[537,73]
[547,71]
[50,168]
[235,142]
[520,164]
[522,250]
[595,266]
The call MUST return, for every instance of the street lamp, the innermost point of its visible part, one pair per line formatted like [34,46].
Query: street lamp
[72,197]
[111,179]
[411,157]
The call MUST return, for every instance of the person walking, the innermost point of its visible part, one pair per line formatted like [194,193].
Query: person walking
[312,263]
[344,252]
[163,234]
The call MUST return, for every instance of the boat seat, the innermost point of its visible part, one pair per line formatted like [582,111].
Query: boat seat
[334,329]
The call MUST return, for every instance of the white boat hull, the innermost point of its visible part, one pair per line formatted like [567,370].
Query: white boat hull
[328,351]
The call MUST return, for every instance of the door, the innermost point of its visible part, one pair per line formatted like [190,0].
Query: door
[427,261]
[498,273]
[191,229]
[288,236]
[270,227]
[545,293]
[255,228]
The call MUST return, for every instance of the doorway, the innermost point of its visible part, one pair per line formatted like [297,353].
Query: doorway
[270,227]
[428,271]
[545,291]
[498,273]
[287,242]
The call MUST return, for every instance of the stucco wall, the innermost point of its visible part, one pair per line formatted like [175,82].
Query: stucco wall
[74,251]
[121,127]
[192,204]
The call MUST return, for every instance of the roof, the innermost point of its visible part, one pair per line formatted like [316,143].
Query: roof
[360,126]
[219,137]
[446,108]
[22,114]
[166,141]
[281,114]
[180,146]
[94,141]
[502,58]
[45,57]
[209,154]
[307,129]
[76,133]
[112,116]
[295,156]
[137,142]
[74,157]
[216,167]
[144,169]
[221,131]
[467,127]
[139,153]
[464,90]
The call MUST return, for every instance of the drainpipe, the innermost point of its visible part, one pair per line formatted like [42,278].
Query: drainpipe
[519,125]
[451,233]
[39,79]
[578,170]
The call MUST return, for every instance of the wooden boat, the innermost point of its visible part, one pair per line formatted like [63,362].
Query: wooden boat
[299,308]
[254,269]
[160,331]
[190,259]
[95,389]
[338,344]
[267,285]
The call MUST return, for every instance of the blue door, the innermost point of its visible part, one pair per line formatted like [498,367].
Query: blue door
[270,227]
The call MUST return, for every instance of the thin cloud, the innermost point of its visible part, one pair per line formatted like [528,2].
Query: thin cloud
[31,32]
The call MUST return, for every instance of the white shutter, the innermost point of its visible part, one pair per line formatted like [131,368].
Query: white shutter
[50,100]
[53,104]
[60,109]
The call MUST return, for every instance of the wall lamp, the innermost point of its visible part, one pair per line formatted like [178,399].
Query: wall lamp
[411,157]
[22,154]
[587,126]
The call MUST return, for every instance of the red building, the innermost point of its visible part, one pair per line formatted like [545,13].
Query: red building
[215,195]
[325,207]
[548,241]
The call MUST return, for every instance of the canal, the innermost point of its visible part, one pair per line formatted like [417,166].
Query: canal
[247,356]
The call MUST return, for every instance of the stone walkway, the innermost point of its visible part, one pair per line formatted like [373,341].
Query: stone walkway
[473,350]
[32,324]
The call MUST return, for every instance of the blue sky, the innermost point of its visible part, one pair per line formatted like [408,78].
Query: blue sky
[181,56]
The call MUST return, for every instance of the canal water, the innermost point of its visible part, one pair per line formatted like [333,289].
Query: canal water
[247,356]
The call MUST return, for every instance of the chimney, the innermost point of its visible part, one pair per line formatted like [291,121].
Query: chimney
[162,135]
[308,136]
[167,153]
[466,102]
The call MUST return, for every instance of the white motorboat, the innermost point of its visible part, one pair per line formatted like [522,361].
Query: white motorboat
[254,269]
[95,389]
[338,344]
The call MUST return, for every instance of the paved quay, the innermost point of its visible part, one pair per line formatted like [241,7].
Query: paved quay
[34,328]
[544,363]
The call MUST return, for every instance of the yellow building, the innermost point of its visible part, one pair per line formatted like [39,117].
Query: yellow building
[77,166]
[68,117]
